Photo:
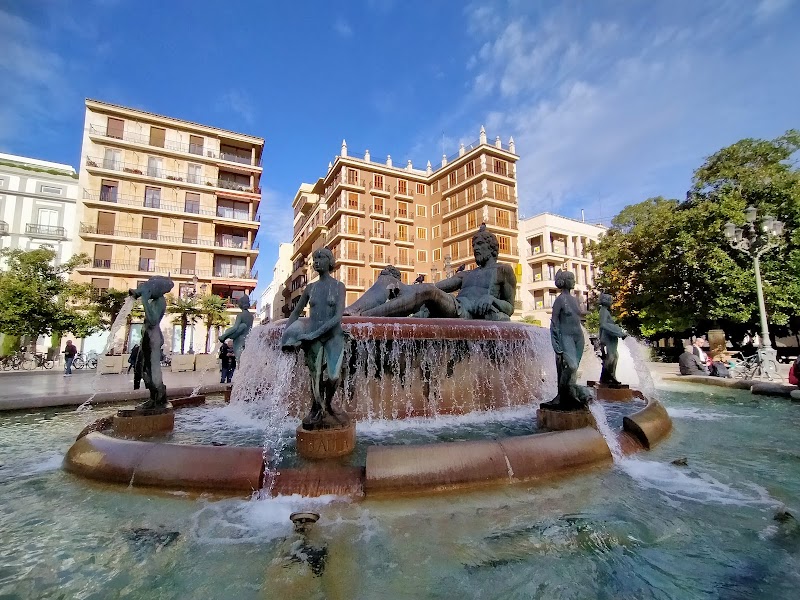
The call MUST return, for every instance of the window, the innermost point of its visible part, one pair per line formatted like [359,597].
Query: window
[402,256]
[454,251]
[147,260]
[228,209]
[352,224]
[452,227]
[352,200]
[115,128]
[102,256]
[377,205]
[503,218]
[352,275]
[378,254]
[192,204]
[152,197]
[352,250]
[452,179]
[421,210]
[105,222]
[422,233]
[437,254]
[377,182]
[149,228]
[190,233]
[471,194]
[157,135]
[402,233]
[111,159]
[378,229]
[435,209]
[376,273]
[422,256]
[100,285]
[108,190]
[505,243]
[421,189]
[434,187]
[437,231]
[470,169]
[188,263]
[194,173]
[195,145]
[500,166]
[47,217]
[471,220]
[402,187]
[49,189]
[402,209]
[501,192]
[155,166]
[352,176]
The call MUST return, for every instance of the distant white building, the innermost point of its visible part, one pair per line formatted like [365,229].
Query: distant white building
[272,299]
[548,243]
[38,201]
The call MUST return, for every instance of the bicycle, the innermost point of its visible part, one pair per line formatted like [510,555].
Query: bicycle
[756,367]
[83,361]
[37,360]
[12,361]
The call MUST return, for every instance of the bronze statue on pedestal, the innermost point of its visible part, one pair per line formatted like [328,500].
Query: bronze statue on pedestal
[148,361]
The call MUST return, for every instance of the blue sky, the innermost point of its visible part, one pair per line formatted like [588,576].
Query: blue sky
[609,102]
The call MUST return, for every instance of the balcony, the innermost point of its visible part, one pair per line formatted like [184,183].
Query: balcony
[231,272]
[404,262]
[170,146]
[154,203]
[404,239]
[380,190]
[350,257]
[146,265]
[343,231]
[403,215]
[3,228]
[352,182]
[233,242]
[404,192]
[353,283]
[379,236]
[45,231]
[380,212]
[380,259]
[344,206]
[171,239]
[506,223]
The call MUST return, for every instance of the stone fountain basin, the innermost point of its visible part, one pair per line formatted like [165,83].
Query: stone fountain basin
[389,470]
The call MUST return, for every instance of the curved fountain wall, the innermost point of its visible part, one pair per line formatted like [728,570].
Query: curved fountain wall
[409,367]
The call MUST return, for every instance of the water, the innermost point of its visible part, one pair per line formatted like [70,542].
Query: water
[701,531]
[599,412]
[122,317]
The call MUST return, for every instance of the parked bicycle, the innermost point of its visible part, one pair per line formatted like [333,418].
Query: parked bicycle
[11,362]
[756,367]
[37,360]
[83,361]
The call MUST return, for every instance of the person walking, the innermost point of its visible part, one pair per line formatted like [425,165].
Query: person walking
[132,357]
[227,358]
[69,356]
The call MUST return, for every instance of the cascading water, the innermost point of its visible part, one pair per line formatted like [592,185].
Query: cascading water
[122,317]
[636,350]
[601,419]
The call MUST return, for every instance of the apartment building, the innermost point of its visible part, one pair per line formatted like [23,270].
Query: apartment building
[270,305]
[552,242]
[38,201]
[371,214]
[163,196]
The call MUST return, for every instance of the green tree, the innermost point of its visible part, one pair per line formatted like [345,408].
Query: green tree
[668,264]
[214,311]
[186,311]
[36,298]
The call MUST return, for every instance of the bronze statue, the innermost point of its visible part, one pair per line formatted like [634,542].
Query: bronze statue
[485,293]
[610,332]
[566,335]
[148,361]
[240,328]
[322,339]
[387,286]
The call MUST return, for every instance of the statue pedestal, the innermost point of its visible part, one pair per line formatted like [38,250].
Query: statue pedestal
[561,420]
[326,443]
[608,393]
[139,423]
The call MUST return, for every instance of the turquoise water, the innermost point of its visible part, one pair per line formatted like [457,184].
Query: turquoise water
[640,529]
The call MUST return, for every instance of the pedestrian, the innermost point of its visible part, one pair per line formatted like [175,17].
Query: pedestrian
[227,359]
[69,356]
[690,364]
[699,352]
[132,357]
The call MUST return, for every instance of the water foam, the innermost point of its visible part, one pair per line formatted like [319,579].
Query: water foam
[696,414]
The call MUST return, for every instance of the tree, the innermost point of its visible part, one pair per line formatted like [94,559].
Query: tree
[187,312]
[213,309]
[668,264]
[37,299]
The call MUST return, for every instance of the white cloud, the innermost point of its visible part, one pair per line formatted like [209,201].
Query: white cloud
[342,27]
[766,9]
[238,102]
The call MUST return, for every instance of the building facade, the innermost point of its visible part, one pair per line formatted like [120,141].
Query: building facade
[372,214]
[270,305]
[552,242]
[163,196]
[38,203]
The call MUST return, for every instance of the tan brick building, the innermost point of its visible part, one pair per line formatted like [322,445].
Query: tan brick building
[164,196]
[371,214]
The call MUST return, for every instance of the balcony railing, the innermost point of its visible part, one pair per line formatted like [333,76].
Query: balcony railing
[195,149]
[403,214]
[51,231]
[166,174]
[148,265]
[174,238]
[158,203]
[383,235]
[228,242]
[3,228]
[231,272]
[508,223]
[404,238]
[381,259]
[403,191]
[385,188]
[380,210]
[350,256]
[405,262]
[354,282]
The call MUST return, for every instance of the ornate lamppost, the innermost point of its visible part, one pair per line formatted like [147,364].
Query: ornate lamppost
[754,242]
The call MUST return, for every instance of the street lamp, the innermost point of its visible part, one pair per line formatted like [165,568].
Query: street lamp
[749,240]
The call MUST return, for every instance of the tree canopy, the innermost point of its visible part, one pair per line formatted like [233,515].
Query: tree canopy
[667,262]
[37,299]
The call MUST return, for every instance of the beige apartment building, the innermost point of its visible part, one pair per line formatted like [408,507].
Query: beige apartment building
[372,214]
[163,196]
[552,242]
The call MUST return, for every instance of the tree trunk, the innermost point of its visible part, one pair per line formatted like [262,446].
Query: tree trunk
[208,337]
[184,322]
[127,334]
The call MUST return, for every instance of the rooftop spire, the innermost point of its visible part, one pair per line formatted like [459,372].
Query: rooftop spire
[483,135]
[344,148]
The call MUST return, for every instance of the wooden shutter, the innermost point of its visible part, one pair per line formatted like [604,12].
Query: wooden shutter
[105,223]
[149,228]
[188,261]
[157,135]
[115,128]
[190,233]
[102,252]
